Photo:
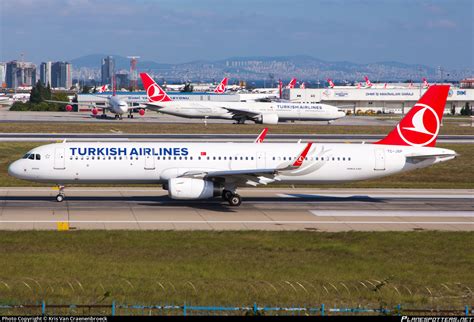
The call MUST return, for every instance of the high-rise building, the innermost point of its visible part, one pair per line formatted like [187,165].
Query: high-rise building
[108,70]
[20,74]
[3,72]
[122,80]
[45,73]
[61,75]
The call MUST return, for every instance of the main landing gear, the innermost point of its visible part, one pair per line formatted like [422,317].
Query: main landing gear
[232,198]
[130,115]
[60,196]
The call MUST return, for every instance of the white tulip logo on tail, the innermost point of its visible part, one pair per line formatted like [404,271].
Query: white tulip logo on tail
[424,126]
[155,94]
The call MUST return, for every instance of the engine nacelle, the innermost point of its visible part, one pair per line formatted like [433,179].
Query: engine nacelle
[190,188]
[268,119]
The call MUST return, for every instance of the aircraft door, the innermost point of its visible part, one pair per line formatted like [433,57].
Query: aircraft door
[59,159]
[261,162]
[149,162]
[379,159]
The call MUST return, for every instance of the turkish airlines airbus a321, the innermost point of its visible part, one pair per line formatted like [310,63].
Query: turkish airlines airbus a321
[259,112]
[204,170]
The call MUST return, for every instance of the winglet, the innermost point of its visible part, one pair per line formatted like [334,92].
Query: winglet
[261,136]
[153,91]
[300,159]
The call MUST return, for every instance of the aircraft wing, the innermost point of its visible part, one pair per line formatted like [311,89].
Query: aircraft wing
[74,103]
[238,113]
[252,177]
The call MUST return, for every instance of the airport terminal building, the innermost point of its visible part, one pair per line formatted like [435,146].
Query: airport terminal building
[379,100]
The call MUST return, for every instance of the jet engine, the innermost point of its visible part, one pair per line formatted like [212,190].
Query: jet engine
[267,119]
[190,188]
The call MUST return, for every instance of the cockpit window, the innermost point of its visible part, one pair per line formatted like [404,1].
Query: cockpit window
[26,156]
[38,157]
[31,157]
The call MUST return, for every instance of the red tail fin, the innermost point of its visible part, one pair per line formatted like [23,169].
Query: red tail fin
[420,126]
[331,84]
[367,81]
[425,83]
[153,91]
[292,83]
[221,87]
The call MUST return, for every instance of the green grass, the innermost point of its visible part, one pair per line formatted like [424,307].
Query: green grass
[454,174]
[237,268]
[187,128]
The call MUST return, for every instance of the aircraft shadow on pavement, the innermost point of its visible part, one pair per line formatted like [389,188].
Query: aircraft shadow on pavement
[215,204]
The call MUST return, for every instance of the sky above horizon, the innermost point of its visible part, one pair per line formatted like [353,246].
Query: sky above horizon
[433,33]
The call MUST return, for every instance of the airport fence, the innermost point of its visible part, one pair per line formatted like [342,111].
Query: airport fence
[116,309]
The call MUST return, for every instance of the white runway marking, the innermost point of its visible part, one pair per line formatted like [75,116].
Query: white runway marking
[389,213]
[385,196]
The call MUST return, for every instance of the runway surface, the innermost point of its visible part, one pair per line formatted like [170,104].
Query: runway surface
[262,209]
[53,137]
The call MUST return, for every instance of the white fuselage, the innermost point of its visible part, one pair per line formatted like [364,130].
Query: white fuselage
[221,110]
[156,162]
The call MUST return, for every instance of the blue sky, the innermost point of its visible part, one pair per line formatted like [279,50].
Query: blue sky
[362,31]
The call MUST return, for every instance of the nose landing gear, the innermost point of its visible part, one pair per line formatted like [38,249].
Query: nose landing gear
[60,196]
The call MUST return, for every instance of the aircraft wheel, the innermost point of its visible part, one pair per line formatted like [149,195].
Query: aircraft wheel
[235,200]
[60,197]
[226,195]
[131,116]
[128,116]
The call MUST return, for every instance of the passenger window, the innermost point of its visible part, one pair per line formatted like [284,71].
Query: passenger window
[343,159]
[199,158]
[348,159]
[246,158]
[213,158]
[338,159]
[333,158]
[181,158]
[225,158]
[190,158]
[219,158]
[208,158]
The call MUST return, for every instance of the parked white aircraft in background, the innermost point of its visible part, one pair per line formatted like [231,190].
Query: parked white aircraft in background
[204,170]
[112,102]
[259,112]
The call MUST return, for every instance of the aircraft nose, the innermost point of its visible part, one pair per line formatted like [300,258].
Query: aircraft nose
[15,169]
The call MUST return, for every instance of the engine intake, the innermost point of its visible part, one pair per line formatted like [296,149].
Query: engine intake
[190,188]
